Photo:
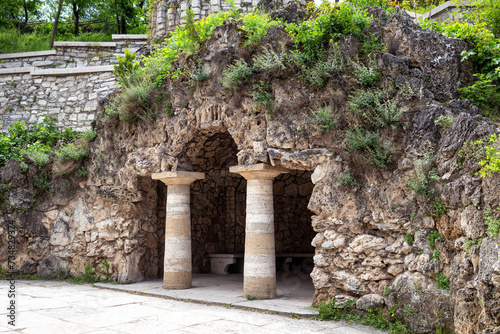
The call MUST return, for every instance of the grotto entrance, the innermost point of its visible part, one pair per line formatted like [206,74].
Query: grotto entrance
[234,217]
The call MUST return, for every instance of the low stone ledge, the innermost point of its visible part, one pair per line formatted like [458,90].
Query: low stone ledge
[27,54]
[130,36]
[73,70]
[15,70]
[85,44]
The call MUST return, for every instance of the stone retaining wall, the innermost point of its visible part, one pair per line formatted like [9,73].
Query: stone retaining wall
[65,83]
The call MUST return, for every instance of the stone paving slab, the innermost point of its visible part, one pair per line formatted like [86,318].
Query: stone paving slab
[294,295]
[82,308]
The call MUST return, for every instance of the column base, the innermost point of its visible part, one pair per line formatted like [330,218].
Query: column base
[259,287]
[177,280]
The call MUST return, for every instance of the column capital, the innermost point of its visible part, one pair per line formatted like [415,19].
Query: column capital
[178,177]
[258,171]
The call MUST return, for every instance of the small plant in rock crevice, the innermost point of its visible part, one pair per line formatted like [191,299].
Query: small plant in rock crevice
[261,96]
[366,75]
[432,237]
[235,75]
[443,121]
[346,179]
[360,139]
[425,174]
[469,243]
[409,239]
[492,223]
[323,120]
[443,281]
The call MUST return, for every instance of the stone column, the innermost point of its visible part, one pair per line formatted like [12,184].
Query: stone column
[259,273]
[177,271]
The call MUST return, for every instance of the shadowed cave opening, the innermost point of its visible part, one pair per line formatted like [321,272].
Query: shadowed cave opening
[218,205]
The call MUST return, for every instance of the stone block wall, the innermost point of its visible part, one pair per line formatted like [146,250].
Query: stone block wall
[71,100]
[65,84]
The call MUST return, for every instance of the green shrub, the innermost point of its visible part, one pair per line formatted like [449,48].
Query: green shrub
[493,229]
[317,72]
[491,162]
[42,182]
[82,172]
[235,75]
[435,255]
[331,311]
[366,75]
[438,208]
[443,121]
[484,94]
[24,167]
[360,139]
[330,22]
[23,139]
[472,243]
[409,239]
[256,25]
[72,151]
[432,237]
[269,60]
[261,96]
[425,174]
[346,179]
[323,120]
[127,69]
[369,105]
[443,281]
[39,158]
[409,310]
[134,102]
[371,43]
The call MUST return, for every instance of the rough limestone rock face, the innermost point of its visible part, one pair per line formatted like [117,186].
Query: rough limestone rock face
[358,231]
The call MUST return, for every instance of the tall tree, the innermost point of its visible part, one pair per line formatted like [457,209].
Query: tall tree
[56,23]
[78,8]
[17,13]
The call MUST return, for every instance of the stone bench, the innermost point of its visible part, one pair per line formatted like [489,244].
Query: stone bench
[219,263]
[289,258]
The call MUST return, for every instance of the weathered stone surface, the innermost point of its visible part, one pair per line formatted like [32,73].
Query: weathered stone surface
[370,301]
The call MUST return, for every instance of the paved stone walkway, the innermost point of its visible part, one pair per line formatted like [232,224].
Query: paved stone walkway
[60,307]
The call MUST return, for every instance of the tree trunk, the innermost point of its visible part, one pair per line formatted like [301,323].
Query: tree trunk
[76,16]
[54,29]
[117,19]
[25,24]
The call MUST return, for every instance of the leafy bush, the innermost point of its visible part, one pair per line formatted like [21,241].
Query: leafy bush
[269,60]
[256,25]
[491,162]
[24,139]
[127,69]
[425,174]
[439,208]
[39,158]
[322,119]
[317,72]
[443,121]
[261,96]
[472,243]
[371,43]
[346,179]
[330,22]
[235,75]
[82,172]
[373,110]
[432,237]
[409,239]
[443,281]
[42,182]
[493,224]
[360,139]
[366,75]
[73,151]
